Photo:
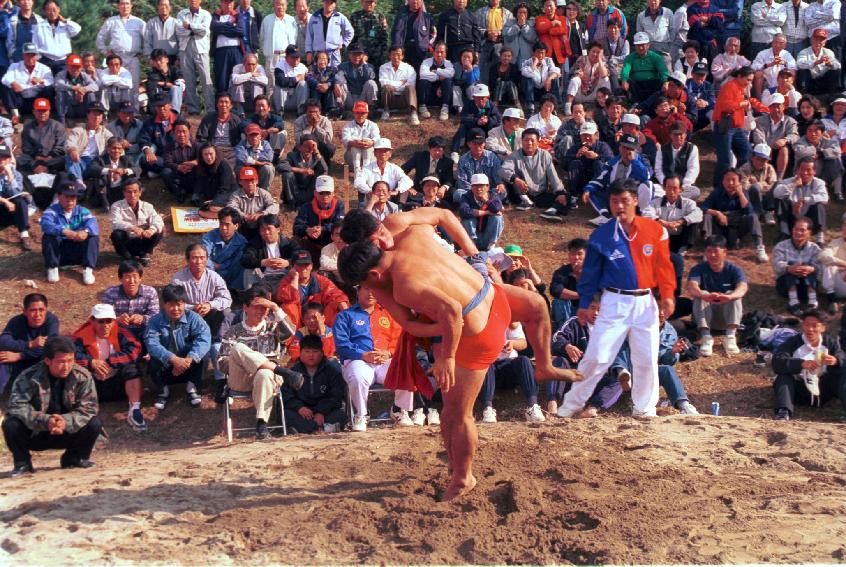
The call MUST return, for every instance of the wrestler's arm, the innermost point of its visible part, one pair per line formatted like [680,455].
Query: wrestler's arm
[406,319]
[433,216]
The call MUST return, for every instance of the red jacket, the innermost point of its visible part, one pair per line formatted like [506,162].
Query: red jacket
[659,128]
[320,290]
[557,39]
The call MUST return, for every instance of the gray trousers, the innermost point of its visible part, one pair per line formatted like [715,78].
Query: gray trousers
[292,99]
[195,65]
[717,316]
[369,94]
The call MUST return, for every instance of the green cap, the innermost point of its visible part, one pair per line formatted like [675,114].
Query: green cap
[513,250]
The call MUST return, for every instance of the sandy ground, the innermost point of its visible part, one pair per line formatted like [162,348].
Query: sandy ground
[670,490]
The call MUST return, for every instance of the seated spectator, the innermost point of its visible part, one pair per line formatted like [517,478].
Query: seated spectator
[250,353]
[628,165]
[356,80]
[520,262]
[81,152]
[111,171]
[70,235]
[365,338]
[588,74]
[701,98]
[300,170]
[466,77]
[666,116]
[180,164]
[818,67]
[784,86]
[43,148]
[432,163]
[127,128]
[568,133]
[249,80]
[358,137]
[225,245]
[690,57]
[583,162]
[271,124]
[678,214]
[795,263]
[616,49]
[314,324]
[758,177]
[14,204]
[679,157]
[808,367]
[320,402]
[717,288]
[302,286]
[221,128]
[802,196]
[630,125]
[321,84]
[314,221]
[825,153]
[728,61]
[545,122]
[25,82]
[728,212]
[75,90]
[256,152]
[270,254]
[511,370]
[832,261]
[481,114]
[69,421]
[481,213]
[778,131]
[329,254]
[157,136]
[23,337]
[289,77]
[134,303]
[477,160]
[178,340]
[110,352]
[115,82]
[644,71]
[136,226]
[505,138]
[399,89]
[382,169]
[164,80]
[251,202]
[531,178]
[562,288]
[610,123]
[379,202]
[318,126]
[540,77]
[505,80]
[770,62]
[213,181]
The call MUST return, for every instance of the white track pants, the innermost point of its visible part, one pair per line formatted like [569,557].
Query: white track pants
[360,375]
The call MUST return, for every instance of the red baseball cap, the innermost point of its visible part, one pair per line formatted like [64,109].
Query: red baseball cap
[248,173]
[252,129]
[74,60]
[41,104]
[360,106]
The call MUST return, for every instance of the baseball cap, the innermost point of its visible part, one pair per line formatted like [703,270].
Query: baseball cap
[96,106]
[5,150]
[433,178]
[775,98]
[640,38]
[324,183]
[475,135]
[629,141]
[678,77]
[302,257]
[512,250]
[360,106]
[762,151]
[71,187]
[248,173]
[29,48]
[481,89]
[631,119]
[292,51]
[479,179]
[437,142]
[383,144]
[41,104]
[355,48]
[678,127]
[513,113]
[700,68]
[820,32]
[74,60]
[103,311]
[588,128]
[127,106]
[840,98]
[252,128]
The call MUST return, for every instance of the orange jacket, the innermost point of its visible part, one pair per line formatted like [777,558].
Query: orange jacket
[557,39]
[384,330]
[320,290]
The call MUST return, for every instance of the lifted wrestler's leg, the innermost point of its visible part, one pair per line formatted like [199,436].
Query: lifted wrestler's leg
[458,429]
[530,310]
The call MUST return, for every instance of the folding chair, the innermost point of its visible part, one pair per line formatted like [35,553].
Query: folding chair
[232,395]
[377,389]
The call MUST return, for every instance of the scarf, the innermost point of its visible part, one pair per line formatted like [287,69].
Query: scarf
[324,214]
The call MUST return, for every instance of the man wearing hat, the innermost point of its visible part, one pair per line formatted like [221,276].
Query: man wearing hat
[193,33]
[481,213]
[700,97]
[110,352]
[477,160]
[328,30]
[70,234]
[80,150]
[358,137]
[251,202]
[679,157]
[434,85]
[299,170]
[778,131]
[128,128]
[481,113]
[818,66]
[432,162]
[271,123]
[43,148]
[644,71]
[26,81]
[123,35]
[530,176]
[14,206]
[315,220]
[759,177]
[371,32]
[302,285]
[356,79]
[256,152]
[75,89]
[289,76]
[584,161]
[769,62]
[398,81]
[506,137]
[382,169]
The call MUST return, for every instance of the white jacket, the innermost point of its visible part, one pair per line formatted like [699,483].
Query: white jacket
[124,218]
[426,73]
[277,34]
[55,42]
[766,21]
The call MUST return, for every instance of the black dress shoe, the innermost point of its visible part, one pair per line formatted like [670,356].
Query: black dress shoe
[76,463]
[262,432]
[220,392]
[21,468]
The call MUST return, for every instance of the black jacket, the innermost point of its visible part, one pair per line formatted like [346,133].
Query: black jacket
[419,163]
[783,357]
[205,131]
[256,251]
[322,393]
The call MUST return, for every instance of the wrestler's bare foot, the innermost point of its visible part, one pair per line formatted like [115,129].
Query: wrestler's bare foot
[458,488]
[552,373]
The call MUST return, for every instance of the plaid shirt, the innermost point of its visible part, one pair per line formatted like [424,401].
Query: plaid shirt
[145,302]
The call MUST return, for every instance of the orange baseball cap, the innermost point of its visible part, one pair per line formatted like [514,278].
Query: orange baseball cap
[248,173]
[360,106]
[74,60]
[41,104]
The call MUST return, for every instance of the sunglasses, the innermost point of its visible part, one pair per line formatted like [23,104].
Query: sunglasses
[324,192]
[104,321]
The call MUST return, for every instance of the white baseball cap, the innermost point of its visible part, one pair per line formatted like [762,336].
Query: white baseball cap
[588,128]
[481,89]
[383,144]
[513,113]
[762,151]
[839,99]
[479,179]
[679,77]
[631,119]
[430,178]
[324,183]
[640,38]
[103,311]
[776,98]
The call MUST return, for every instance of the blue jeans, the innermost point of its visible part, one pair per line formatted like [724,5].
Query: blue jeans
[669,379]
[510,372]
[78,168]
[427,92]
[735,140]
[489,235]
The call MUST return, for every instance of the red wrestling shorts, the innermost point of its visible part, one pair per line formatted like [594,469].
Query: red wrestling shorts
[479,351]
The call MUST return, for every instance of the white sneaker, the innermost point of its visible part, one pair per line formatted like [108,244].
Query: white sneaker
[423,111]
[525,203]
[413,119]
[565,412]
[551,214]
[87,276]
[534,414]
[52,275]
[761,254]
[706,347]
[599,221]
[730,344]
[386,115]
[434,418]
[444,113]
[687,408]
[359,423]
[401,418]
[418,417]
[454,157]
[769,218]
[489,415]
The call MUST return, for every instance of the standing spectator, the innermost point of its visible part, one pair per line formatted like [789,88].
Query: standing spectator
[803,196]
[134,303]
[23,337]
[270,254]
[315,220]
[136,226]
[491,20]
[531,179]
[707,25]
[818,66]
[599,18]
[358,137]
[318,126]
[519,34]
[300,170]
[413,30]
[728,61]
[540,77]
[481,213]
[251,202]
[435,83]
[290,80]
[399,89]
[656,21]
[160,32]
[458,29]
[553,33]
[278,31]
[382,169]
[250,19]
[678,214]
[320,402]
[225,246]
[22,24]
[730,110]
[194,34]
[14,206]
[301,16]
[768,18]
[794,27]
[25,82]
[256,153]
[644,71]
[728,212]
[477,160]
[371,29]
[679,158]
[123,35]
[228,43]
[75,90]
[329,31]
[70,235]
[52,36]
[796,267]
